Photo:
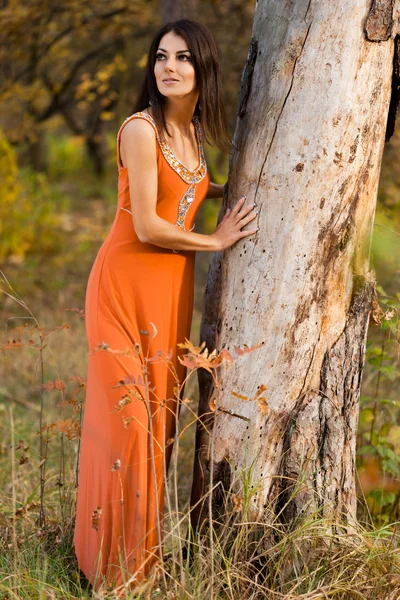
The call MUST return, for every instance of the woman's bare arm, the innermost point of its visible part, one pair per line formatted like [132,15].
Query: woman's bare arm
[138,154]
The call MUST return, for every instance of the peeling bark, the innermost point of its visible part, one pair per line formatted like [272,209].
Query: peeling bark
[380,21]
[246,78]
[395,96]
[307,149]
[333,409]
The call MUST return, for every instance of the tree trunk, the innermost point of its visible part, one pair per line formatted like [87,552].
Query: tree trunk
[97,151]
[37,152]
[173,10]
[312,114]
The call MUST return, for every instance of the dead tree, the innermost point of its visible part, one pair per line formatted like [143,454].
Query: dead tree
[319,91]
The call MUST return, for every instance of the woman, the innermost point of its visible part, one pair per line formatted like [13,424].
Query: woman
[140,297]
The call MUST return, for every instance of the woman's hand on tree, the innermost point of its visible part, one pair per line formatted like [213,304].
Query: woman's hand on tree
[229,231]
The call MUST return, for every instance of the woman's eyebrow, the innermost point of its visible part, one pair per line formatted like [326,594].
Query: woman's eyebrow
[179,51]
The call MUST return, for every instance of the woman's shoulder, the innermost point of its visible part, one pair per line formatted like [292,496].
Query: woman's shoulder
[138,133]
[140,124]
[137,118]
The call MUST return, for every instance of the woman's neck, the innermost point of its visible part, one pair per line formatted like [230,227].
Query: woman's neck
[179,113]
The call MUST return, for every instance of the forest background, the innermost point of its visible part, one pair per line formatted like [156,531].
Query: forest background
[69,77]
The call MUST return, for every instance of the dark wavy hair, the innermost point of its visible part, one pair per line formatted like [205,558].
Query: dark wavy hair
[204,53]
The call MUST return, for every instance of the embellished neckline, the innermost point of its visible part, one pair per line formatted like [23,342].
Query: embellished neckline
[186,174]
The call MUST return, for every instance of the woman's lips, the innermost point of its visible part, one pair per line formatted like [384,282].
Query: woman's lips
[169,81]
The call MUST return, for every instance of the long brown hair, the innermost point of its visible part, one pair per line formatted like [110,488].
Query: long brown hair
[204,54]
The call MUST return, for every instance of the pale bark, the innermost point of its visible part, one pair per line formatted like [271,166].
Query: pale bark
[307,149]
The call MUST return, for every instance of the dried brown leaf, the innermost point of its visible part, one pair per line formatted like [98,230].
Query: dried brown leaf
[116,465]
[237,502]
[240,396]
[262,405]
[260,390]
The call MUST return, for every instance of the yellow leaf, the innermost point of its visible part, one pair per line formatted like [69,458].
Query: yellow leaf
[142,62]
[102,88]
[103,75]
[106,115]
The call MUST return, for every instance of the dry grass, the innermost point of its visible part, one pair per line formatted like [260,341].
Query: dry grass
[234,558]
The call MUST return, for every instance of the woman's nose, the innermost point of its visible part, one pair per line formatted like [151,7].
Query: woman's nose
[169,63]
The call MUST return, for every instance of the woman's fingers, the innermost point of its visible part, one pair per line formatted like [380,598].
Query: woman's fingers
[245,210]
[239,210]
[248,232]
[246,213]
[226,215]
[238,216]
[247,219]
[238,205]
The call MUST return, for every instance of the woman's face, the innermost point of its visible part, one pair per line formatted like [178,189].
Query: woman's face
[173,69]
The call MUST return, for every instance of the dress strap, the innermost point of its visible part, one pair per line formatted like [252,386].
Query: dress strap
[138,115]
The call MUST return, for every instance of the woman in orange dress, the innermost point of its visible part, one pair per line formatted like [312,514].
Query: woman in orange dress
[139,303]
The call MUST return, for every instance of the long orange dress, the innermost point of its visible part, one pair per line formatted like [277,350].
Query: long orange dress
[132,287]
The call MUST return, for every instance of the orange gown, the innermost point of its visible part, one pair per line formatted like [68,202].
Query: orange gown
[139,302]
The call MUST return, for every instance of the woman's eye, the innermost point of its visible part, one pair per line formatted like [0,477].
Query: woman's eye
[181,56]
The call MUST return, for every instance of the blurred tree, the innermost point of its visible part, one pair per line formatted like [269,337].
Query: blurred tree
[85,62]
[173,10]
[64,58]
[312,115]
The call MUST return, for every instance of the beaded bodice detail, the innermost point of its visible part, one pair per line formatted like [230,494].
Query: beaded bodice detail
[192,178]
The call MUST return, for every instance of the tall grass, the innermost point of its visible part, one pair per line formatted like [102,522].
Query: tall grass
[231,557]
